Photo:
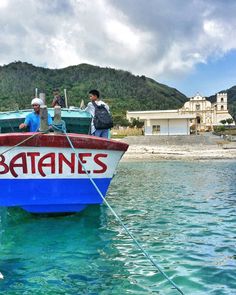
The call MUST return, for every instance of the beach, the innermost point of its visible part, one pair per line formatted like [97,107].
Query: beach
[203,147]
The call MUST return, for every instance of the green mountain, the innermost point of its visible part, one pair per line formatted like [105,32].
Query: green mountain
[120,89]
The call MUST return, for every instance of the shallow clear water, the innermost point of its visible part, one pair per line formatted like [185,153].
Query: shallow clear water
[183,213]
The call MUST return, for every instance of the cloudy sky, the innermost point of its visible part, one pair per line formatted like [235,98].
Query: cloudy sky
[186,44]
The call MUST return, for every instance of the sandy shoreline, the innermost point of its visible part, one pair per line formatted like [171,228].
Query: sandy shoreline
[142,152]
[179,148]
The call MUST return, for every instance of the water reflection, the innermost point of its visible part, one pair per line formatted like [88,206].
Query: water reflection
[58,253]
[183,214]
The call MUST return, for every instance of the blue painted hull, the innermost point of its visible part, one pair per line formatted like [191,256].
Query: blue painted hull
[44,175]
[52,195]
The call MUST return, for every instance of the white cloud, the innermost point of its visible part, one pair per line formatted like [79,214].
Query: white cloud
[3,4]
[156,38]
[122,34]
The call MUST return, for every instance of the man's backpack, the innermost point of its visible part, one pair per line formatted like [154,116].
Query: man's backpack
[61,101]
[102,118]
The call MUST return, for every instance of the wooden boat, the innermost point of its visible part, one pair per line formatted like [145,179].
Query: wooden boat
[76,120]
[51,173]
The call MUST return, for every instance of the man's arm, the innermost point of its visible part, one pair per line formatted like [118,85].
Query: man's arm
[54,102]
[26,123]
[22,126]
[89,108]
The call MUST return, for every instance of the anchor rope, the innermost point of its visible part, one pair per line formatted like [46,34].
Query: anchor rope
[145,253]
[62,128]
[23,141]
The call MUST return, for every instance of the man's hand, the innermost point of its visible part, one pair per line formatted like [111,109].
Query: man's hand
[22,125]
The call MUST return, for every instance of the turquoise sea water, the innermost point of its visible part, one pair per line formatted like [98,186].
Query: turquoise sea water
[183,213]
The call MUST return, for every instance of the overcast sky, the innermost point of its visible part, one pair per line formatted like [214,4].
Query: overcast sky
[186,44]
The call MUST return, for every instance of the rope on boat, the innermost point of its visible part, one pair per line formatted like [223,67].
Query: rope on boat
[57,127]
[18,144]
[145,253]
[61,128]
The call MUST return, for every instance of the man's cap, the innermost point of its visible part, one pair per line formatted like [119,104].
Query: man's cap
[37,100]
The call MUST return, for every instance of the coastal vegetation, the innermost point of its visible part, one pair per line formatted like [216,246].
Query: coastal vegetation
[225,130]
[120,89]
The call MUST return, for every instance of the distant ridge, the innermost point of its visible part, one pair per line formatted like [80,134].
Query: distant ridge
[120,89]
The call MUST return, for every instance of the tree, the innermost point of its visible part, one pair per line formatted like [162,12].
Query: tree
[136,123]
[223,122]
[119,120]
[229,121]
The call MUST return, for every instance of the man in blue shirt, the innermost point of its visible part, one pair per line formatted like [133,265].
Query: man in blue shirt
[32,120]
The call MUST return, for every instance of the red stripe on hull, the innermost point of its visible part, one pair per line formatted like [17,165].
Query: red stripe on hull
[60,140]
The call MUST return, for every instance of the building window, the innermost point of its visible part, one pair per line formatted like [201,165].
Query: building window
[156,129]
[222,99]
[222,108]
[197,107]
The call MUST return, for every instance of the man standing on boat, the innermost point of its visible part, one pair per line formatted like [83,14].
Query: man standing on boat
[92,109]
[32,120]
[58,100]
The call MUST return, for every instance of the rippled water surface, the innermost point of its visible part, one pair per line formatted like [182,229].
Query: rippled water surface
[183,213]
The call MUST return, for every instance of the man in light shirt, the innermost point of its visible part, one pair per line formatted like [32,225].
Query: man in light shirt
[94,97]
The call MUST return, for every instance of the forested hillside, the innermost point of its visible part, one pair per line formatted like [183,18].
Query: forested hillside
[120,89]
